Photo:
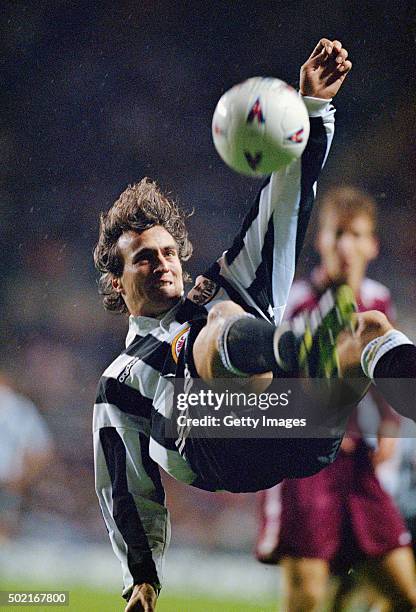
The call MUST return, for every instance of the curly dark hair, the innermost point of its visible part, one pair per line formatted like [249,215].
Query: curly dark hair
[140,207]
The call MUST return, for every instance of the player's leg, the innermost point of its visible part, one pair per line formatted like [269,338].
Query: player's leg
[394,576]
[345,595]
[230,344]
[368,326]
[302,531]
[385,355]
[206,352]
[355,592]
[235,344]
[374,337]
[306,583]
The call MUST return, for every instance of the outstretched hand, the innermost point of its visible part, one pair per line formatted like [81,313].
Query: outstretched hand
[143,599]
[325,70]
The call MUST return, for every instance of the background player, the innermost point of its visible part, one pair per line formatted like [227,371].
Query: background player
[337,509]
[26,450]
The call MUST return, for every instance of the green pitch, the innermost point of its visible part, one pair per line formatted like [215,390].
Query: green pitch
[86,600]
[171,604]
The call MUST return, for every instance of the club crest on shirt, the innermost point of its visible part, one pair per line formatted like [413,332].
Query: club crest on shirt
[178,343]
[203,291]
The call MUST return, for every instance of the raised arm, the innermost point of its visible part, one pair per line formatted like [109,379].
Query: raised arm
[257,271]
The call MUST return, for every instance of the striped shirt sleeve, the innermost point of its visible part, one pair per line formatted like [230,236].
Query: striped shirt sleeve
[260,264]
[128,484]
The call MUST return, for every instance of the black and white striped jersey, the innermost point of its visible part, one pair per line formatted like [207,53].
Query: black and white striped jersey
[134,397]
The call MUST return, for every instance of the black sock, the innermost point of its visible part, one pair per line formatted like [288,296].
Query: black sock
[399,362]
[395,377]
[250,346]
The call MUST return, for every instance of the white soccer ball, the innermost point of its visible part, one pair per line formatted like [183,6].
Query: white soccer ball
[260,126]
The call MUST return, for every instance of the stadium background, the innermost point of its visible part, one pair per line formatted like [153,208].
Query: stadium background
[97,95]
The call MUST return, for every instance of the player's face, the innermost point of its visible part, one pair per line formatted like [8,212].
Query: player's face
[347,245]
[151,282]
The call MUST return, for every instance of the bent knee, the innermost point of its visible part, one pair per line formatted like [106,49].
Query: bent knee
[206,355]
[222,311]
[206,352]
[372,324]
[376,318]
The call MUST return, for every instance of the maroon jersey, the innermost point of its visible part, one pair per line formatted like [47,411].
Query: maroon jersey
[342,514]
[304,295]
[373,410]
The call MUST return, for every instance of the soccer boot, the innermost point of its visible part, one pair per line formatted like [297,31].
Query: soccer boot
[307,344]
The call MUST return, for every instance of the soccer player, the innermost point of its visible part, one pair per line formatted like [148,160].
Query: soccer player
[341,515]
[26,450]
[142,244]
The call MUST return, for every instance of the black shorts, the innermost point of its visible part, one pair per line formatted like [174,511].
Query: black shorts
[244,465]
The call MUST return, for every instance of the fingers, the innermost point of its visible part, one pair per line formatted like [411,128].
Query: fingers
[336,46]
[335,64]
[143,599]
[331,50]
[325,70]
[324,45]
[342,55]
[334,51]
[345,67]
[342,64]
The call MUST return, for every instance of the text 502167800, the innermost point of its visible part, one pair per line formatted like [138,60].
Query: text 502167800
[34,598]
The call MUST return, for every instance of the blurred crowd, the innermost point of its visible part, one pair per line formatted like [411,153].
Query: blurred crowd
[97,95]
